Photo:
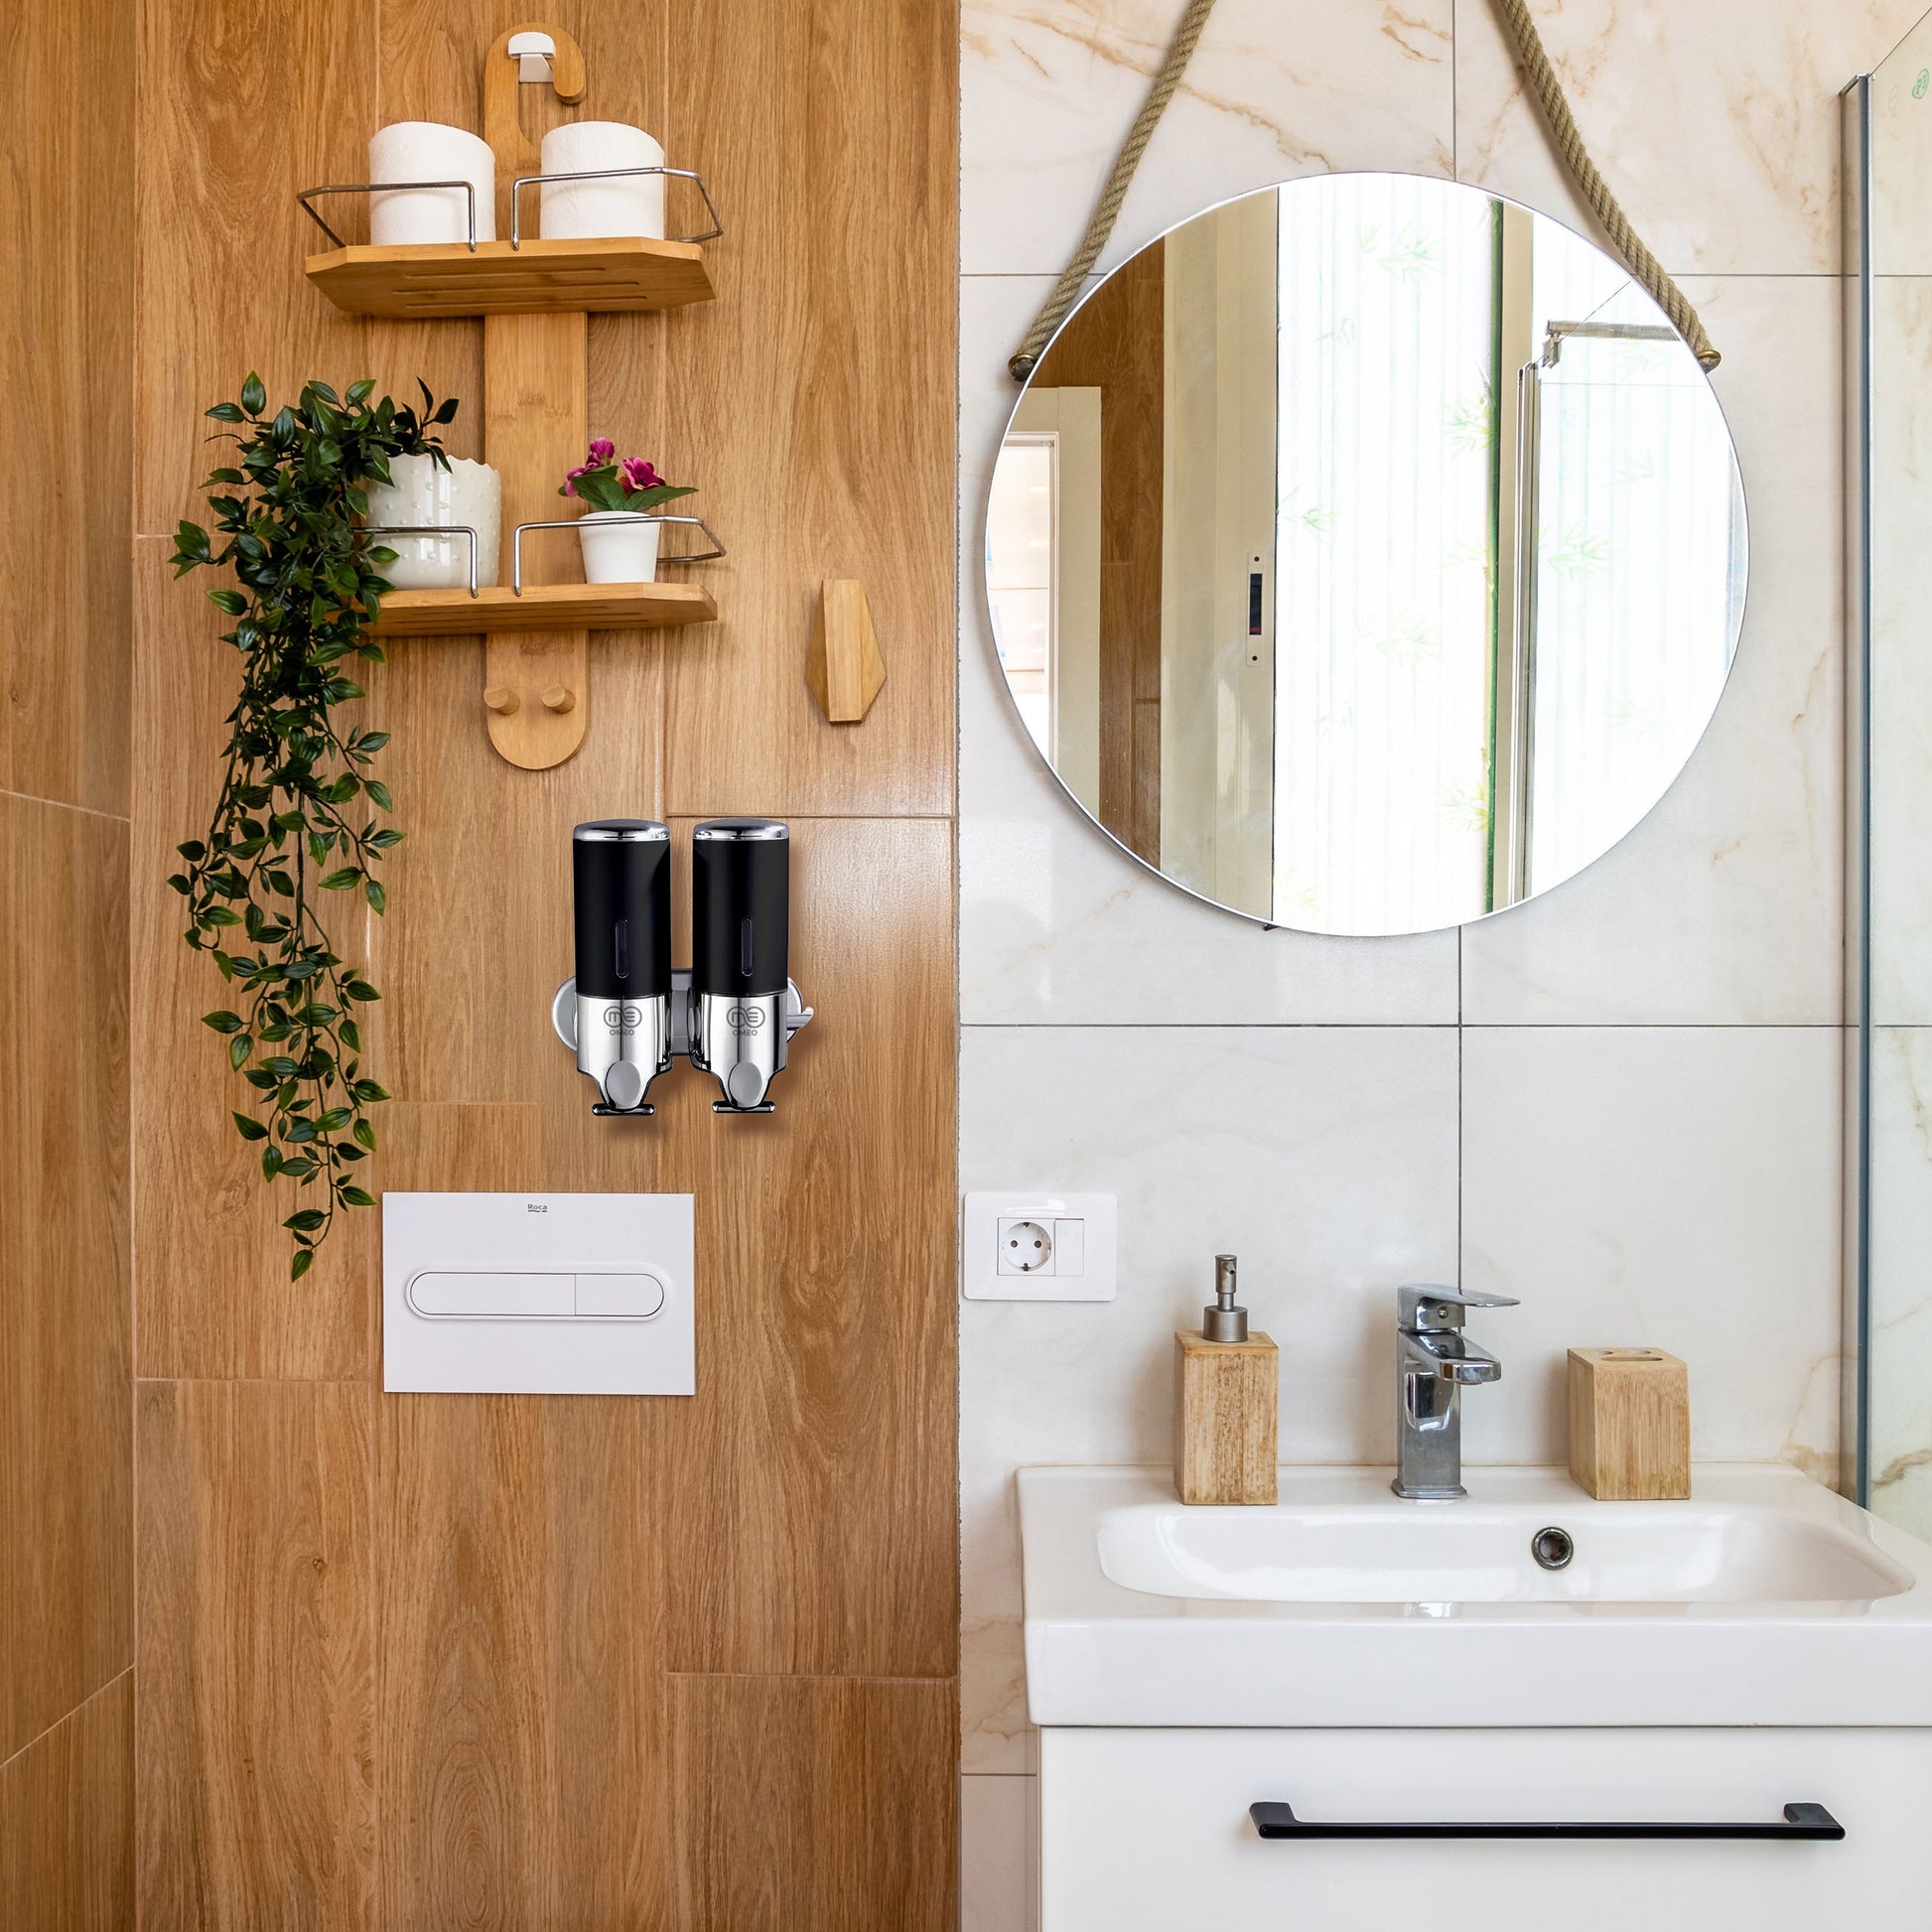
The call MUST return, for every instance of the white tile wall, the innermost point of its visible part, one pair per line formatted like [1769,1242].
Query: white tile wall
[1619,1102]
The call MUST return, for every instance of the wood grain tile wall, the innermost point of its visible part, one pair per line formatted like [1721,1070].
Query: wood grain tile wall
[506,1662]
[65,1353]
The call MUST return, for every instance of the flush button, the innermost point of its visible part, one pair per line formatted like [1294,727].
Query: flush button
[619,1297]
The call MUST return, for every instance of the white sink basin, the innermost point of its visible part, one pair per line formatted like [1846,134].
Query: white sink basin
[1764,1599]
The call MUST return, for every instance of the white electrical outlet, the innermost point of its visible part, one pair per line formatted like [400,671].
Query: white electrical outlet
[1024,1247]
[1039,1248]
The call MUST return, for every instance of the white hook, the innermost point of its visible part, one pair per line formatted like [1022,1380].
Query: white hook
[532,54]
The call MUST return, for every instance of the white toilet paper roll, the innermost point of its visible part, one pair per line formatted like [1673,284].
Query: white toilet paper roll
[580,209]
[429,150]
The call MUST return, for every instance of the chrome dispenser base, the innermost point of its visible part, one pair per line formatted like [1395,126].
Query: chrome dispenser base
[744,1038]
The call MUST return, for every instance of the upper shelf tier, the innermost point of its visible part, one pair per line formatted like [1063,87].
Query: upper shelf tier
[623,272]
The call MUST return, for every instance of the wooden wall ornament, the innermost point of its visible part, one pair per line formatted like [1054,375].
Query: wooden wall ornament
[844,667]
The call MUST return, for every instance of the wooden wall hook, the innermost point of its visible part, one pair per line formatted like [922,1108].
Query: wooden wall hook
[843,666]
[501,699]
[559,698]
[503,98]
[536,424]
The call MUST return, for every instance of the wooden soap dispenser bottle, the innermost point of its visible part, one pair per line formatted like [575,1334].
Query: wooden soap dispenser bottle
[1227,1390]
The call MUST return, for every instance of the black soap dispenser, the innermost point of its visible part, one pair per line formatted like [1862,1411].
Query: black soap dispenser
[741,917]
[620,875]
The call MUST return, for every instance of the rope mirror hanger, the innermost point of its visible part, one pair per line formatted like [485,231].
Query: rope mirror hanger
[1564,132]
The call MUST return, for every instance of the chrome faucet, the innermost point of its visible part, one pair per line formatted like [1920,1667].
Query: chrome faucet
[1434,1364]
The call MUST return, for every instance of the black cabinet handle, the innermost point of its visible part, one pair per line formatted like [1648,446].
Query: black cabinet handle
[1805,1822]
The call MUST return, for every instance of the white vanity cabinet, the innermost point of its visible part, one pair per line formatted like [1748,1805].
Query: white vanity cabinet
[1149,1831]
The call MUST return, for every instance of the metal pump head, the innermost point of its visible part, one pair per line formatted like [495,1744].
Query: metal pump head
[1221,1320]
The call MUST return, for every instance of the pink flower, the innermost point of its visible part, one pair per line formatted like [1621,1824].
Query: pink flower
[638,475]
[570,482]
[602,450]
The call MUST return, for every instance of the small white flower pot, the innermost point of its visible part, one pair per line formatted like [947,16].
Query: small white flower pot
[596,208]
[617,551]
[421,491]
[429,150]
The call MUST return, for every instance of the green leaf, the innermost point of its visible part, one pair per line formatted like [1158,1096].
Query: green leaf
[369,1092]
[223,1022]
[271,1163]
[379,794]
[254,398]
[301,1262]
[373,891]
[366,1133]
[339,880]
[231,602]
[238,1050]
[249,1128]
[360,990]
[307,1221]
[226,412]
[355,1196]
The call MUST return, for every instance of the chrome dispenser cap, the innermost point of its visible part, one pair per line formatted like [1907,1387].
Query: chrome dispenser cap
[621,831]
[732,830]
[1221,1321]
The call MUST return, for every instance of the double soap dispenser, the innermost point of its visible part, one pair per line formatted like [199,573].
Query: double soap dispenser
[626,1012]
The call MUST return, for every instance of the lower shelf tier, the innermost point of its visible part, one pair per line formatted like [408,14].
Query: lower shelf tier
[543,606]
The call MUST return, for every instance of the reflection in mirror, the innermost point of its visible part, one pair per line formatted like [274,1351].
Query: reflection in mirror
[1366,554]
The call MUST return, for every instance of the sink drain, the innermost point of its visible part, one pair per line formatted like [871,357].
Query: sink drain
[1552,1548]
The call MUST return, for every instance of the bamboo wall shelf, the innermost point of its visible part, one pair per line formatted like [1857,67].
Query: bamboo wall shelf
[623,274]
[535,296]
[544,607]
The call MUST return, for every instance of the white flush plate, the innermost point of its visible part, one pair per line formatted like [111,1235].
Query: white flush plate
[539,1293]
[1059,1247]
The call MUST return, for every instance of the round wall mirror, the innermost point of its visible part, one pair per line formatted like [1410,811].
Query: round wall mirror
[1368,554]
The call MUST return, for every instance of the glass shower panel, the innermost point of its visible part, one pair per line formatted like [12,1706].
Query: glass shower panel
[1890,451]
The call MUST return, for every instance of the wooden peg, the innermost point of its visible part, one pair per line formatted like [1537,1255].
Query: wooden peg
[844,667]
[501,698]
[558,698]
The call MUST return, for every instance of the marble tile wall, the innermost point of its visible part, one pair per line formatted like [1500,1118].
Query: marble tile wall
[1620,1102]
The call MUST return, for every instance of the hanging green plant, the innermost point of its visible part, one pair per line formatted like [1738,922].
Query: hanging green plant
[294,818]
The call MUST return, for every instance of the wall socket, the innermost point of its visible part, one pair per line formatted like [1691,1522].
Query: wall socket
[1039,1248]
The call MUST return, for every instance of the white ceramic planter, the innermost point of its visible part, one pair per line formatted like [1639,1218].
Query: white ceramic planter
[422,492]
[617,552]
[582,209]
[429,150]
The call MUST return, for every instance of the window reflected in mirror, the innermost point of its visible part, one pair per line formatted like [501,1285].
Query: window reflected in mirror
[1368,554]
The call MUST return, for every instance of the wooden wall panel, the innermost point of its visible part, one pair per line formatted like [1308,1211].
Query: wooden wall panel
[241,103]
[825,1513]
[817,393]
[813,1804]
[67,1821]
[522,1690]
[66,404]
[257,1737]
[212,1292]
[65,1485]
[481,1701]
[1115,343]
